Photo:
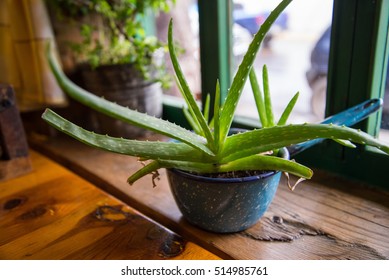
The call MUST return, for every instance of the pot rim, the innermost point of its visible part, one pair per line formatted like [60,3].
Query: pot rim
[284,154]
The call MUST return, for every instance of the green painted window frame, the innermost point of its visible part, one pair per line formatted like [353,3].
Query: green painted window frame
[357,71]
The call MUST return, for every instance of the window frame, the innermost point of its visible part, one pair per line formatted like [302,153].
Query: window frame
[357,71]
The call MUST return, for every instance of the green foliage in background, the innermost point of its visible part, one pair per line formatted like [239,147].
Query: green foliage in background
[121,38]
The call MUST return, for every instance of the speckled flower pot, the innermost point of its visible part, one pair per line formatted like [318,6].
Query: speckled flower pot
[224,205]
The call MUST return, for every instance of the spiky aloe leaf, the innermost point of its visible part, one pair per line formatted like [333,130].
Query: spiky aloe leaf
[345,143]
[348,117]
[258,97]
[216,117]
[147,169]
[255,162]
[289,108]
[143,149]
[187,94]
[192,121]
[267,139]
[263,162]
[127,115]
[240,78]
[267,97]
[206,107]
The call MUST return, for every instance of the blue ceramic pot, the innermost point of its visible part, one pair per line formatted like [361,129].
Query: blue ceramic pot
[224,204]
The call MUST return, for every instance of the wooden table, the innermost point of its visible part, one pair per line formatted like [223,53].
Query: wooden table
[54,214]
[51,213]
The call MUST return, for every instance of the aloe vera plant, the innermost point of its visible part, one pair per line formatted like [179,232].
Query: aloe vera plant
[209,148]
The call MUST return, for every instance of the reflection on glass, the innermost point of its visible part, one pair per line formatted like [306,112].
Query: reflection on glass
[385,109]
[384,133]
[293,61]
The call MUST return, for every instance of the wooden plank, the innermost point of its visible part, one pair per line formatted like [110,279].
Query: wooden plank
[329,218]
[52,213]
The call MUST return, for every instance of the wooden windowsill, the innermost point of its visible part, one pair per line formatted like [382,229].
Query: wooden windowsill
[50,213]
[324,218]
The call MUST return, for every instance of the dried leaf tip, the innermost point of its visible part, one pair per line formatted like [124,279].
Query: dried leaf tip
[292,187]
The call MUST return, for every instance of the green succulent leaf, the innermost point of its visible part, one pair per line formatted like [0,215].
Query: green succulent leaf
[147,169]
[267,139]
[265,162]
[188,96]
[258,97]
[242,74]
[216,117]
[142,149]
[192,121]
[206,107]
[127,115]
[289,108]
[255,162]
[267,97]
[345,143]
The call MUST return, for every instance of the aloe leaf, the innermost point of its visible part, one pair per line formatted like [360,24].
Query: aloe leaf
[289,108]
[216,117]
[187,94]
[149,168]
[345,143]
[267,97]
[143,149]
[182,165]
[240,78]
[189,112]
[198,167]
[258,97]
[267,139]
[206,107]
[192,122]
[189,115]
[263,162]
[127,115]
[255,162]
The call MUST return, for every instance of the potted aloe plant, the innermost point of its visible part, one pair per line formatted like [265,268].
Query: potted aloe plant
[104,44]
[221,181]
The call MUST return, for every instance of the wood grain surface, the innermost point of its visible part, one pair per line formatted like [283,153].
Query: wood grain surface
[51,213]
[325,218]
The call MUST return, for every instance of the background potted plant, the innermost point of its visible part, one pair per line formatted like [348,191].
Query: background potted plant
[221,182]
[105,48]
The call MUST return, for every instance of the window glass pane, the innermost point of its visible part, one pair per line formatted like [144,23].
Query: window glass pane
[186,35]
[384,133]
[295,51]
